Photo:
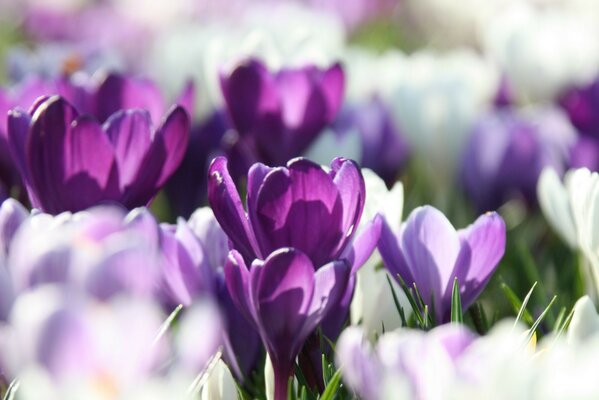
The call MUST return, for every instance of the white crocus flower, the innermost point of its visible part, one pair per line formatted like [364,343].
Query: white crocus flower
[220,384]
[373,305]
[543,50]
[437,102]
[585,321]
[572,210]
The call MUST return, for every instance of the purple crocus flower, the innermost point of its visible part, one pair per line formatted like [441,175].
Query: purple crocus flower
[404,362]
[103,252]
[585,153]
[70,162]
[430,253]
[507,151]
[303,207]
[194,256]
[278,115]
[582,106]
[300,206]
[286,297]
[384,150]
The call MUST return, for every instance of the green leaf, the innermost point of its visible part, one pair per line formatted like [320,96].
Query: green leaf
[332,387]
[456,303]
[525,303]
[479,318]
[398,307]
[534,326]
[167,323]
[516,303]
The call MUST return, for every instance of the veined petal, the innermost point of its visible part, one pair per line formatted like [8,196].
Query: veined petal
[299,207]
[483,245]
[228,209]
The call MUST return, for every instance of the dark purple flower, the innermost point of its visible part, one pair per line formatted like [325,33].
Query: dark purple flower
[303,207]
[300,206]
[286,297]
[384,150]
[429,252]
[186,189]
[70,162]
[582,106]
[507,151]
[278,115]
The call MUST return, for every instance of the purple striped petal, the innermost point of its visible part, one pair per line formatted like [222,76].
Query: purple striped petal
[228,209]
[482,246]
[299,207]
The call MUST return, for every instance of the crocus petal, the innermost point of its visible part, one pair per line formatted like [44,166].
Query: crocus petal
[172,137]
[332,86]
[228,209]
[256,176]
[250,94]
[585,321]
[391,253]
[364,244]
[237,277]
[554,201]
[455,338]
[430,246]
[186,98]
[362,371]
[483,245]
[299,207]
[70,159]
[130,135]
[282,295]
[183,271]
[117,92]
[330,287]
[352,190]
[18,123]
[12,215]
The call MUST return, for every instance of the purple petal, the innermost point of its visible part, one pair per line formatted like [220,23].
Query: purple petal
[237,277]
[173,135]
[283,298]
[352,190]
[332,86]
[131,271]
[455,338]
[186,98]
[256,176]
[364,244]
[250,95]
[362,371]
[228,210]
[184,271]
[18,124]
[130,133]
[299,207]
[391,253]
[330,289]
[70,159]
[118,92]
[430,247]
[482,246]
